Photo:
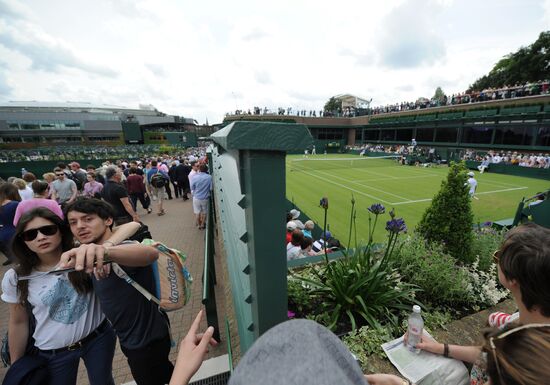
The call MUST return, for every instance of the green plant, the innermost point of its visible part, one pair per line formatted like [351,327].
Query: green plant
[484,244]
[366,342]
[428,266]
[449,219]
[363,287]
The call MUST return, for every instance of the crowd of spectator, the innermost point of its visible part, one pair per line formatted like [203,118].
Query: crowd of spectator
[66,153]
[506,92]
[512,158]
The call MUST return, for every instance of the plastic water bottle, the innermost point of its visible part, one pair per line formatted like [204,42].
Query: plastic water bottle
[415,326]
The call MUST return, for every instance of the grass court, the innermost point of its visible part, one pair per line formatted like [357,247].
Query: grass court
[408,189]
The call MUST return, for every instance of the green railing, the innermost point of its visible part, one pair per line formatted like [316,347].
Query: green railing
[248,169]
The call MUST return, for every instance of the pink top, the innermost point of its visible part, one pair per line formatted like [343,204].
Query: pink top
[26,206]
[90,189]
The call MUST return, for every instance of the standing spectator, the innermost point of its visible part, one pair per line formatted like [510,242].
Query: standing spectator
[9,200]
[78,173]
[164,168]
[200,188]
[25,191]
[63,189]
[29,177]
[157,180]
[115,194]
[98,177]
[193,172]
[40,198]
[92,188]
[49,177]
[173,180]
[136,190]
[182,177]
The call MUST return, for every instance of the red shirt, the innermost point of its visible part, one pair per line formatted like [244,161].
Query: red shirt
[134,184]
[288,236]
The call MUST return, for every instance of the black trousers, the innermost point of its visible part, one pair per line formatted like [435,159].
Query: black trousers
[150,365]
[177,189]
[141,196]
[168,190]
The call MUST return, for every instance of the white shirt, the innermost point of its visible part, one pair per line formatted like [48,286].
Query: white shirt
[26,194]
[473,185]
[293,252]
[63,316]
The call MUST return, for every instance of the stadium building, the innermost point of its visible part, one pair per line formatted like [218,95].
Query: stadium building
[520,124]
[40,124]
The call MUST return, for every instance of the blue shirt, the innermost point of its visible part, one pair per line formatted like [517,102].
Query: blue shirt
[201,186]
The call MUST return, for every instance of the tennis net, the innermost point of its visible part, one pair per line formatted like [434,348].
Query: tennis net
[312,164]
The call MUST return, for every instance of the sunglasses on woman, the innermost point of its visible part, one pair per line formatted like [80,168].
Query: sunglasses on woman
[506,334]
[30,235]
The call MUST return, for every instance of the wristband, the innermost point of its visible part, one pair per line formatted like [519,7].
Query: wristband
[446,350]
[109,242]
[105,254]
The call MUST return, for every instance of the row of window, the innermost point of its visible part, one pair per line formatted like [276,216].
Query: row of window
[510,135]
[327,133]
[64,139]
[43,125]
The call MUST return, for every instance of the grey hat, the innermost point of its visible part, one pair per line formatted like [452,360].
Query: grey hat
[300,352]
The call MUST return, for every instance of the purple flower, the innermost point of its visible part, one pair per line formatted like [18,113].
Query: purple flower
[377,209]
[290,314]
[396,226]
[392,213]
[324,203]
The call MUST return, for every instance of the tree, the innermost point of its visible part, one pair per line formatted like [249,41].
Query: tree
[439,95]
[333,105]
[449,219]
[527,64]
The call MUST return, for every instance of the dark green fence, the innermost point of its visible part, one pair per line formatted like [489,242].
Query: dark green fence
[248,168]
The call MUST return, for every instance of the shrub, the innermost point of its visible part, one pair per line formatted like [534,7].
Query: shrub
[367,341]
[484,244]
[449,218]
[428,266]
[484,289]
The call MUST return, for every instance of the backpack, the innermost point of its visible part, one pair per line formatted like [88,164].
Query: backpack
[172,279]
[77,181]
[158,180]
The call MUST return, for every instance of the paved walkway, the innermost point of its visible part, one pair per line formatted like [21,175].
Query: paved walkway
[175,229]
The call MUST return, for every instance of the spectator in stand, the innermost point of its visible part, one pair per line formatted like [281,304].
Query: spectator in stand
[136,190]
[92,188]
[115,193]
[294,247]
[25,191]
[9,200]
[63,189]
[290,227]
[201,188]
[307,247]
[308,228]
[295,215]
[484,165]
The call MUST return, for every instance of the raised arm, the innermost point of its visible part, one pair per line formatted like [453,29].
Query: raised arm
[122,233]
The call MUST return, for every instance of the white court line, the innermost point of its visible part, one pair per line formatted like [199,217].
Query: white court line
[377,174]
[483,193]
[360,184]
[346,187]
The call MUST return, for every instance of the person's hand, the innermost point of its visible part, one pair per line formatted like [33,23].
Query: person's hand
[384,379]
[102,273]
[135,218]
[193,349]
[426,343]
[83,258]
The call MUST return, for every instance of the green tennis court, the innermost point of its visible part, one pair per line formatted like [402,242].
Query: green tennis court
[408,189]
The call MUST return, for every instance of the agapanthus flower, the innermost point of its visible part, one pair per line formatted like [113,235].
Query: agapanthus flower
[392,213]
[396,226]
[377,209]
[324,202]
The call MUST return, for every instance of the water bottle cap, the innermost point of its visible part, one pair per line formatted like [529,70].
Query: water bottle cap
[416,309]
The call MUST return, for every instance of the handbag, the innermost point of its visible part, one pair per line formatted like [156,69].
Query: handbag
[28,370]
[142,233]
[29,349]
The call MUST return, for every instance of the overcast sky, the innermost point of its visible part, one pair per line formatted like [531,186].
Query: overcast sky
[201,59]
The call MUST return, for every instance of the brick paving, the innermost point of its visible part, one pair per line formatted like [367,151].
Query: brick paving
[175,229]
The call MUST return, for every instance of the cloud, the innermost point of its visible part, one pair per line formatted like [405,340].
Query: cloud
[409,37]
[20,34]
[262,77]
[156,69]
[5,88]
[255,34]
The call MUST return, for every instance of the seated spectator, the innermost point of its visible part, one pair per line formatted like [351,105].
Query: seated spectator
[295,215]
[307,247]
[290,227]
[484,165]
[294,247]
[308,228]
[539,199]
[523,263]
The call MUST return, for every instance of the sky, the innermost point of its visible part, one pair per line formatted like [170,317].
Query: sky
[203,59]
